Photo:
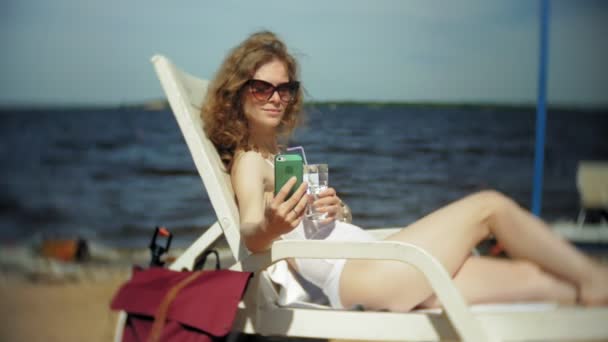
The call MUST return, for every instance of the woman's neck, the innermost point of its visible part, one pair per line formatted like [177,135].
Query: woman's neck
[264,140]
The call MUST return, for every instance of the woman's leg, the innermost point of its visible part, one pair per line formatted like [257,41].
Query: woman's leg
[492,280]
[526,237]
[450,233]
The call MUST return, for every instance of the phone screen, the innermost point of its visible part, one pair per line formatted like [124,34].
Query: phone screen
[285,167]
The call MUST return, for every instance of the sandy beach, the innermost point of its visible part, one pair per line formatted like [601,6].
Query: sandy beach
[44,299]
[48,300]
[47,311]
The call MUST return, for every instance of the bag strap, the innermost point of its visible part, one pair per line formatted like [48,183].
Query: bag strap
[200,262]
[163,308]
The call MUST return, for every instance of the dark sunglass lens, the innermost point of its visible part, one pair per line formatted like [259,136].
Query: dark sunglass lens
[287,91]
[261,90]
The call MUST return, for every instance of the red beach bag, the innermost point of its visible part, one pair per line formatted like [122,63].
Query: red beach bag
[165,305]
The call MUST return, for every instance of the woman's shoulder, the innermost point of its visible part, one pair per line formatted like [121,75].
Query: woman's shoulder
[249,166]
[248,157]
[247,160]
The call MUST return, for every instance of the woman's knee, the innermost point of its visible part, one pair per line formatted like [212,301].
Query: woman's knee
[493,204]
[493,198]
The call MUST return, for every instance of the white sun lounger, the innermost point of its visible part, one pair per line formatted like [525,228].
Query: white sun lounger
[592,185]
[259,312]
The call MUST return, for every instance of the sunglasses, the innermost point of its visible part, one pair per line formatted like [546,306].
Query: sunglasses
[263,90]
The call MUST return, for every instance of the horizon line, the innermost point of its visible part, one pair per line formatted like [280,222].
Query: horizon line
[162,104]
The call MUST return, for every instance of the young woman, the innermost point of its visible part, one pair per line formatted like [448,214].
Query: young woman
[255,101]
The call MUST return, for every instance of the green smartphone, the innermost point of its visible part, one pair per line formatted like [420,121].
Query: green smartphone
[285,167]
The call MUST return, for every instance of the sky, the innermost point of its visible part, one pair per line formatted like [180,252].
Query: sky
[93,52]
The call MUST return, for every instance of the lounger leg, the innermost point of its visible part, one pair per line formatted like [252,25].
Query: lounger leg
[582,215]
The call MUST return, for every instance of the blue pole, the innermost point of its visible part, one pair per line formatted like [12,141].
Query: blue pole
[541,113]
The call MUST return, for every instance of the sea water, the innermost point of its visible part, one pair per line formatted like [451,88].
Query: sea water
[63,175]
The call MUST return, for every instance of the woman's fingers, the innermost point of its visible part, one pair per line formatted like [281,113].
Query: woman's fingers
[284,213]
[329,203]
[296,204]
[297,196]
[327,192]
[331,210]
[323,202]
[290,208]
[325,199]
[299,208]
[284,192]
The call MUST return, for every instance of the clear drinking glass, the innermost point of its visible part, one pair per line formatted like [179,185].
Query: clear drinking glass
[317,176]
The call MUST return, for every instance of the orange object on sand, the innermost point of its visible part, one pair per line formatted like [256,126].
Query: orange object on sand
[64,249]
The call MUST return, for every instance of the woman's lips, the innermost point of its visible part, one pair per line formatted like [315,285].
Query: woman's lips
[272,112]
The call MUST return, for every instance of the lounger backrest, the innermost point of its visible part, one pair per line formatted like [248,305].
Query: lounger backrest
[186,94]
[592,183]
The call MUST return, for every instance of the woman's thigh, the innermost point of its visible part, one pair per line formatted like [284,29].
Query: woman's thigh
[451,232]
[448,234]
[492,280]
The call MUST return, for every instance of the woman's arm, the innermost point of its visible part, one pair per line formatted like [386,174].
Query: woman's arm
[263,221]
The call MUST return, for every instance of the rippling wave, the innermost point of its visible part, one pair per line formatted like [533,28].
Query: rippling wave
[113,175]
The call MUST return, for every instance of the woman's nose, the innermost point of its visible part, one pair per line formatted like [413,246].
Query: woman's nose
[275,98]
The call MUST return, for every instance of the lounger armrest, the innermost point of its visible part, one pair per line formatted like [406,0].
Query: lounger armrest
[454,304]
[440,280]
[432,269]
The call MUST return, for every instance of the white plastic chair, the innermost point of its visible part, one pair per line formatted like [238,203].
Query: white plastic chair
[592,185]
[259,312]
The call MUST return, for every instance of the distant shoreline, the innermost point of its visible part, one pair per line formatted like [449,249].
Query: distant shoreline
[458,105]
[162,105]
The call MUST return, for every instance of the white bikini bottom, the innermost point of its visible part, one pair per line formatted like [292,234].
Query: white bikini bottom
[325,273]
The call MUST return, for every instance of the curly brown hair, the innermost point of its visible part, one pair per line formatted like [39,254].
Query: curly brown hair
[224,121]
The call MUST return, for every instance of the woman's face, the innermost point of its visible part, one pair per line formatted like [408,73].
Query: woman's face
[261,113]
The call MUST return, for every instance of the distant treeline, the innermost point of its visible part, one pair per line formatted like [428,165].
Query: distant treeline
[160,105]
[458,105]
[452,105]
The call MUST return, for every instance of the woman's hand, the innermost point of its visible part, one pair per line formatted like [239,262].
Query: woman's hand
[283,215]
[328,202]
